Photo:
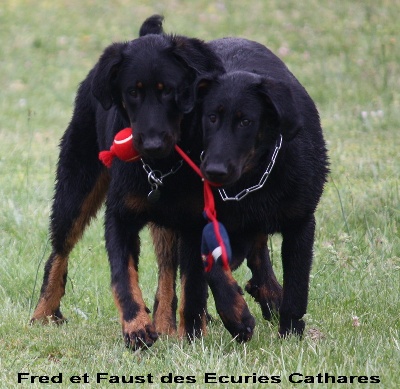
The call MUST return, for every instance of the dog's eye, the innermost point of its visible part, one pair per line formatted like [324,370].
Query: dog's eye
[245,123]
[167,90]
[213,118]
[133,92]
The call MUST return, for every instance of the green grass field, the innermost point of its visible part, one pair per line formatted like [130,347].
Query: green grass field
[347,55]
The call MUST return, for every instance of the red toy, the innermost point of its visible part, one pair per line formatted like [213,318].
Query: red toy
[122,148]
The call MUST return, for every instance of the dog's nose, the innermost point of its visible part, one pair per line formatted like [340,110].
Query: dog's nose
[216,172]
[153,147]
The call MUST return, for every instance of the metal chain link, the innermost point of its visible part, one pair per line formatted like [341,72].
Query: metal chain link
[242,194]
[155,177]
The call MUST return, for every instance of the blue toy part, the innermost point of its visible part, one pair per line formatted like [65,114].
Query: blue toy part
[211,251]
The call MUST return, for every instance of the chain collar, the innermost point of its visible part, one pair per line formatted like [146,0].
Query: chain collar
[155,177]
[242,194]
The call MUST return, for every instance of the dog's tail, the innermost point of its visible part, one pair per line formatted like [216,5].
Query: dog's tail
[152,25]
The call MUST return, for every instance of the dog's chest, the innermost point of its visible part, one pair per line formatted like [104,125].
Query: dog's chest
[253,213]
[171,206]
[177,210]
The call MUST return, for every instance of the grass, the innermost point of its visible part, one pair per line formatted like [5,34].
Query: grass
[347,56]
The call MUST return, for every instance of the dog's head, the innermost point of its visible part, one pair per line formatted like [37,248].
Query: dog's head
[243,115]
[150,80]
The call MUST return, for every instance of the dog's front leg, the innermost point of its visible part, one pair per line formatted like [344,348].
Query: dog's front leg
[297,252]
[192,307]
[230,304]
[123,246]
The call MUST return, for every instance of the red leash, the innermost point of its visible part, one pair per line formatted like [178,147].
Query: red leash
[122,148]
[209,206]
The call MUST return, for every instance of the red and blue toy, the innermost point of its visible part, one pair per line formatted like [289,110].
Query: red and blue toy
[215,241]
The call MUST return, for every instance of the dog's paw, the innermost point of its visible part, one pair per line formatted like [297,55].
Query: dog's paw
[235,314]
[166,328]
[42,317]
[240,324]
[291,327]
[230,304]
[269,296]
[138,336]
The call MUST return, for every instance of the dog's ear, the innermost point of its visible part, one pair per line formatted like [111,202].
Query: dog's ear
[196,54]
[105,73]
[189,95]
[281,100]
[152,25]
[201,64]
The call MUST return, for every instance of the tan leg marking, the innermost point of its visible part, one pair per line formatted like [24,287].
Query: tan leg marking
[164,315]
[140,330]
[89,208]
[49,301]
[164,310]
[239,304]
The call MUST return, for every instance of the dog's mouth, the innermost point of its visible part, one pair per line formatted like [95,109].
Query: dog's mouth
[156,153]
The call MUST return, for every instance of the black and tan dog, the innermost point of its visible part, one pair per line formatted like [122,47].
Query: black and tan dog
[263,142]
[146,84]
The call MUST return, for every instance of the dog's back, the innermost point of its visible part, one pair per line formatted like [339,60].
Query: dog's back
[239,54]
[246,55]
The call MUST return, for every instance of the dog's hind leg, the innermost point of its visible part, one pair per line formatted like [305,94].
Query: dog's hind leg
[166,249]
[68,222]
[263,285]
[165,304]
[81,185]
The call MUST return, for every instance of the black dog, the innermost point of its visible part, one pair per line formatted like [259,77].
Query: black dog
[146,84]
[263,142]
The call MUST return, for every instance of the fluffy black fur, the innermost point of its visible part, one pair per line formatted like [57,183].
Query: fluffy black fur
[146,84]
[245,111]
